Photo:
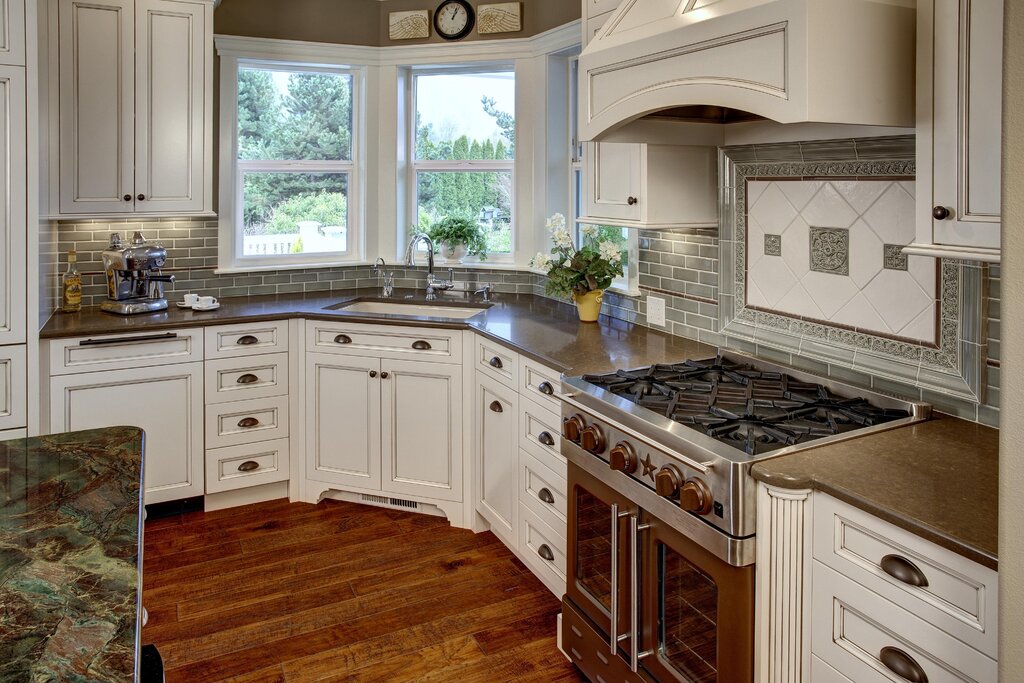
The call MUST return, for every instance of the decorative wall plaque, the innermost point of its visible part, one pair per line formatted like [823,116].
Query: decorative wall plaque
[505,17]
[409,25]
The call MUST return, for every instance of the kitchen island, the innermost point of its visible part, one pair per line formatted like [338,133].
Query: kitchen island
[70,556]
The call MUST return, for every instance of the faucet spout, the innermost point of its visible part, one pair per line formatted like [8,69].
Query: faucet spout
[433,284]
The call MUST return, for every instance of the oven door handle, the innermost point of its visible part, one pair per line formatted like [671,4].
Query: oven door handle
[635,655]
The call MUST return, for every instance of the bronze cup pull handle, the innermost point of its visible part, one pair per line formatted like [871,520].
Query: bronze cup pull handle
[246,340]
[902,664]
[248,466]
[496,407]
[343,339]
[546,388]
[546,439]
[902,569]
[247,378]
[545,496]
[421,345]
[496,363]
[545,552]
[248,422]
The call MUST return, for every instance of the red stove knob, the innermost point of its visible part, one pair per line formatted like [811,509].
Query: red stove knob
[572,427]
[622,458]
[694,496]
[592,440]
[667,481]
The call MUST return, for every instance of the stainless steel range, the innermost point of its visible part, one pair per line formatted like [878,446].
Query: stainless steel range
[662,505]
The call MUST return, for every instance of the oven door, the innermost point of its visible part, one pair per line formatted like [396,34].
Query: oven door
[598,548]
[696,611]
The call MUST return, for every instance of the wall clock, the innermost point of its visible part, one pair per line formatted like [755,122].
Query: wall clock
[454,19]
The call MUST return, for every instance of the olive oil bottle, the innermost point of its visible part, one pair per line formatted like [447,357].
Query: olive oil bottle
[71,286]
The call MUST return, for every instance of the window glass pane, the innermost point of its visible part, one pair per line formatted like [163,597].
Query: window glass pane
[293,115]
[466,116]
[294,213]
[485,197]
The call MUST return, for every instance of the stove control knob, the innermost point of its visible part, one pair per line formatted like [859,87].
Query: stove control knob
[592,440]
[667,481]
[572,427]
[622,458]
[694,496]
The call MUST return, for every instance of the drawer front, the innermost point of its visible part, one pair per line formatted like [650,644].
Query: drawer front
[236,379]
[539,433]
[961,597]
[385,341]
[543,491]
[123,351]
[539,383]
[231,341]
[239,422]
[854,628]
[538,541]
[13,378]
[497,361]
[238,467]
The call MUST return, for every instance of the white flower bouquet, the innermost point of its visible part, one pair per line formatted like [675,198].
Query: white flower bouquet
[571,271]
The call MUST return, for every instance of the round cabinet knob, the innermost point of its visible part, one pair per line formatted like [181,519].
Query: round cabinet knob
[622,458]
[632,201]
[141,197]
[127,197]
[572,428]
[592,440]
[667,481]
[941,213]
[694,496]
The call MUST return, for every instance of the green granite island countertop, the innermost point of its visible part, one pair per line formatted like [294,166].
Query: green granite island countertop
[70,556]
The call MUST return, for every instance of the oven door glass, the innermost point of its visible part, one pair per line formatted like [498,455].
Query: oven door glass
[687,619]
[593,551]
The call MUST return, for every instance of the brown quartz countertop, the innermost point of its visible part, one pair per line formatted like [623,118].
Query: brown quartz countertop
[938,479]
[543,329]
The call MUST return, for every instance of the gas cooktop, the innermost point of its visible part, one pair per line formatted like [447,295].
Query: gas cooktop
[753,409]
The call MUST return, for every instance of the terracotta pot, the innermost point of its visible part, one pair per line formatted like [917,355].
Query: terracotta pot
[453,255]
[589,305]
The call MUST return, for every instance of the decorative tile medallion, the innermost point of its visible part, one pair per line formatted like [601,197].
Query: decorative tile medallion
[893,257]
[830,250]
[773,245]
[505,17]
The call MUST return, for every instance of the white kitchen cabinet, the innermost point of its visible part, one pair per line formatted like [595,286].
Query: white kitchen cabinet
[497,425]
[12,205]
[343,418]
[651,186]
[959,128]
[421,429]
[13,399]
[165,401]
[12,32]
[135,107]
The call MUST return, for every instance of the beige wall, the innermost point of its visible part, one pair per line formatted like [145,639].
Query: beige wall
[363,22]
[1011,462]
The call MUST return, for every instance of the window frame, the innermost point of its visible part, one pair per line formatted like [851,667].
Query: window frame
[415,167]
[233,171]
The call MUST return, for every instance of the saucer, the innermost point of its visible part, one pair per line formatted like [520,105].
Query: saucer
[214,307]
[182,304]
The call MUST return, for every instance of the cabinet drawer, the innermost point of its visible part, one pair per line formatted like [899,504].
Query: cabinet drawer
[852,627]
[539,434]
[236,467]
[230,341]
[236,379]
[495,360]
[238,422]
[961,597]
[385,341]
[539,383]
[13,378]
[537,543]
[110,352]
[543,491]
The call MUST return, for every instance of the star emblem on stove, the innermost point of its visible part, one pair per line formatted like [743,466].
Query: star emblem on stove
[649,467]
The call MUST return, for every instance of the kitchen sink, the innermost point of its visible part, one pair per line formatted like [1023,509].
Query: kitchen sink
[415,310]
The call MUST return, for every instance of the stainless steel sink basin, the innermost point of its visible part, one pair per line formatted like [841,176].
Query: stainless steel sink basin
[414,310]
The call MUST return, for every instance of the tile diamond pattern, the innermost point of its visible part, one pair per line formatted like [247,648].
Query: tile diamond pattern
[840,241]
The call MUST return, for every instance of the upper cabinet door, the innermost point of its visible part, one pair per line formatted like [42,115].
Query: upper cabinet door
[12,205]
[170,81]
[97,106]
[613,181]
[12,32]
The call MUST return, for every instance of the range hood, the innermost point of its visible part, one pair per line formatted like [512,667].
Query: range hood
[721,61]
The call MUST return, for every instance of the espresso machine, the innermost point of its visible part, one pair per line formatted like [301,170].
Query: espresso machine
[134,281]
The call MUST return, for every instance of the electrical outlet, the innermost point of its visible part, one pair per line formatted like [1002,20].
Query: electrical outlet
[656,311]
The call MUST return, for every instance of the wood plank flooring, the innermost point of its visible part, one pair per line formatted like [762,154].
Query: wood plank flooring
[298,593]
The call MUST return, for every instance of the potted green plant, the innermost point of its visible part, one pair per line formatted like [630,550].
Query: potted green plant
[456,237]
[582,273]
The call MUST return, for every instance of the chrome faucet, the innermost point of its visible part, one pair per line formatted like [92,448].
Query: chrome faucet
[389,278]
[434,285]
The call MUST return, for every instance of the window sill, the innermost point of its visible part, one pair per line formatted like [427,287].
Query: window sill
[263,268]
[624,291]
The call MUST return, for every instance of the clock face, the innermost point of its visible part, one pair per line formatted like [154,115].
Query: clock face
[453,19]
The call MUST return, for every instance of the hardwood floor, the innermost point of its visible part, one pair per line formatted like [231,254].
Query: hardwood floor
[342,592]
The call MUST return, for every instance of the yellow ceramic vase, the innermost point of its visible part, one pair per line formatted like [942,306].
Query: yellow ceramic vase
[589,305]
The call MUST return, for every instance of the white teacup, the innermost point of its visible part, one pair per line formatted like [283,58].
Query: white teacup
[206,301]
[190,299]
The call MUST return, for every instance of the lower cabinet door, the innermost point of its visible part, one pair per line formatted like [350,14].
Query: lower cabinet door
[343,420]
[165,401]
[421,428]
[497,420]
